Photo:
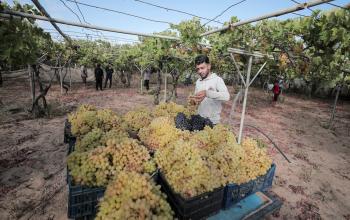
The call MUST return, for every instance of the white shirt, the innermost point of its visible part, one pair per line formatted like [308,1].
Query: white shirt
[216,93]
[146,75]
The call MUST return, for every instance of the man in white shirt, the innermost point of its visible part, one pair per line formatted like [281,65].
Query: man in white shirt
[210,90]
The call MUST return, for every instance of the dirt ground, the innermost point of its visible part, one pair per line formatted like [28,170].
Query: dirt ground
[315,185]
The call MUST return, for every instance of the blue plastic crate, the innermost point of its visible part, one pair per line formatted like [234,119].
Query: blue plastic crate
[235,193]
[82,200]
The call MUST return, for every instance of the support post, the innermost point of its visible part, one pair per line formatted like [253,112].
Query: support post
[70,78]
[32,83]
[245,99]
[141,70]
[165,84]
[61,81]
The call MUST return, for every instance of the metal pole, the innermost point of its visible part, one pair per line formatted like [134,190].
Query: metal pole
[141,80]
[32,86]
[261,68]
[165,82]
[61,81]
[245,99]
[237,67]
[70,79]
[270,15]
[43,11]
[6,13]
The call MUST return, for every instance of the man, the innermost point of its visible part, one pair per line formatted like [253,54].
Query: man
[146,78]
[109,74]
[210,90]
[83,74]
[98,76]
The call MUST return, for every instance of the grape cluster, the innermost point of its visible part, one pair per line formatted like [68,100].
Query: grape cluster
[96,138]
[203,160]
[170,110]
[159,133]
[98,166]
[255,161]
[87,117]
[138,119]
[194,123]
[211,138]
[133,196]
[184,169]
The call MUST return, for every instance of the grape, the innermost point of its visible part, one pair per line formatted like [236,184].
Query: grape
[133,196]
[255,163]
[96,138]
[99,166]
[138,118]
[86,118]
[195,123]
[170,110]
[181,122]
[225,162]
[90,140]
[108,120]
[184,169]
[211,138]
[159,133]
[221,159]
[83,122]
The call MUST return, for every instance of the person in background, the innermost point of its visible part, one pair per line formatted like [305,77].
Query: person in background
[109,74]
[276,92]
[98,76]
[280,84]
[210,91]
[83,74]
[146,78]
[188,79]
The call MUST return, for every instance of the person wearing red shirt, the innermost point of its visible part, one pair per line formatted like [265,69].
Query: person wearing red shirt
[276,91]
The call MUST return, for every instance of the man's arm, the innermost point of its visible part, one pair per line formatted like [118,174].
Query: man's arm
[221,93]
[196,88]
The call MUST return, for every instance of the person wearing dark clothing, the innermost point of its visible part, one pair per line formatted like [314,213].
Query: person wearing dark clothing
[98,76]
[146,78]
[109,74]
[276,91]
[83,74]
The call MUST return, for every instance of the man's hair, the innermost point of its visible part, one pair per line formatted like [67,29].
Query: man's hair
[98,65]
[201,59]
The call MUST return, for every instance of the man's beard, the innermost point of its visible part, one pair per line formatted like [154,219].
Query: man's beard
[204,77]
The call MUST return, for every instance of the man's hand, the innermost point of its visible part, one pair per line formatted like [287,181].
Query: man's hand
[200,96]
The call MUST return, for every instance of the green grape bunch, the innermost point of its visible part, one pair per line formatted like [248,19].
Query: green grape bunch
[99,166]
[138,119]
[133,196]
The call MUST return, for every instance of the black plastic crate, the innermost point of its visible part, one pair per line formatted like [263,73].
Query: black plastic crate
[82,200]
[68,136]
[198,207]
[71,146]
[235,193]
